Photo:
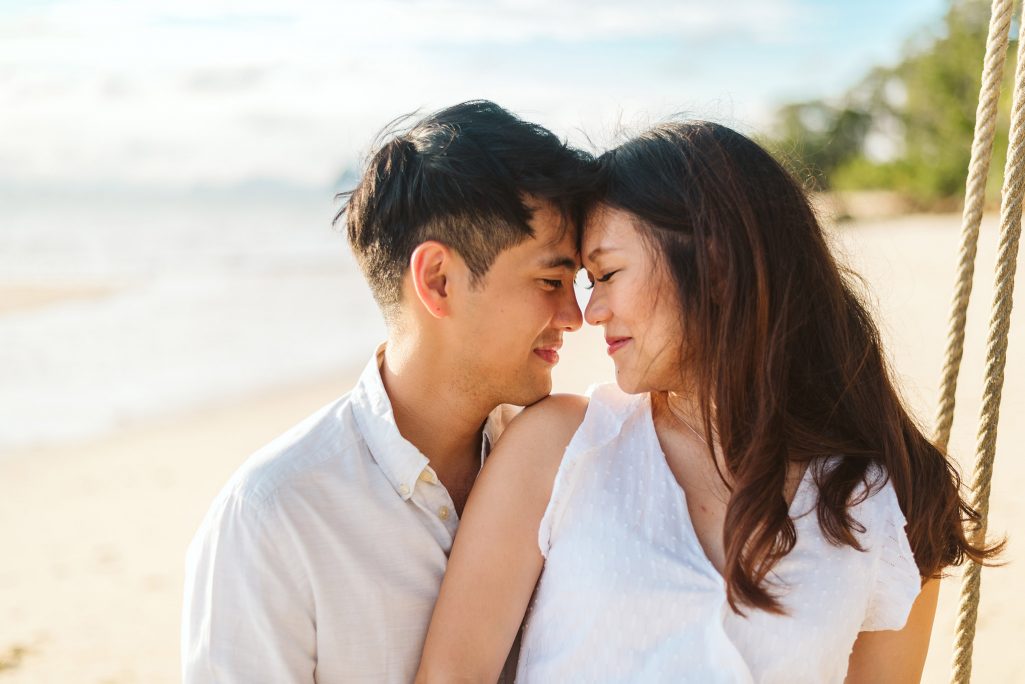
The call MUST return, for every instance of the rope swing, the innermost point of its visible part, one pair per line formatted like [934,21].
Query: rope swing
[1000,320]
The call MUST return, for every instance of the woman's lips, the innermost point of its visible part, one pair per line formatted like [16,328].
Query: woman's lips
[616,343]
[548,355]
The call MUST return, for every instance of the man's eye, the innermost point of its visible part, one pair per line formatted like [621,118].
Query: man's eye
[554,284]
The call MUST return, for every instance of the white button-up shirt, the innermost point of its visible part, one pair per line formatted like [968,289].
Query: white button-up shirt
[322,557]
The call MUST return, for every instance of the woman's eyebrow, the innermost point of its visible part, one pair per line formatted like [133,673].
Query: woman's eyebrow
[599,250]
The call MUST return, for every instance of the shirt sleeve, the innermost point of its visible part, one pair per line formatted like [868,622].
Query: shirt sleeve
[248,610]
[897,582]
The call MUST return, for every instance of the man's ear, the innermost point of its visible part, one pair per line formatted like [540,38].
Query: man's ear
[429,267]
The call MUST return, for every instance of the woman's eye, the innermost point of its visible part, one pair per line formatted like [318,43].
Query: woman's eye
[554,284]
[601,279]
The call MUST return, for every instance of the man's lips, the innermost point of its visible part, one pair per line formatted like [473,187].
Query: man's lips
[616,343]
[549,354]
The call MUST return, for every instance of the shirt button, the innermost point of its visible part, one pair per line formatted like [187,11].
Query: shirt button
[443,512]
[403,490]
[427,476]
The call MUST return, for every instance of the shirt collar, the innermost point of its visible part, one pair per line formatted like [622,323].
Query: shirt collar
[401,462]
[494,426]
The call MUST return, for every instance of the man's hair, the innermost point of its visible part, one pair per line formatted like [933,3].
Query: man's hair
[461,176]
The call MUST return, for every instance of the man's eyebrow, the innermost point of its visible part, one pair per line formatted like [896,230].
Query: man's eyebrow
[564,262]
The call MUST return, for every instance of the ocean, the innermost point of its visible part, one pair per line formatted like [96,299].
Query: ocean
[185,301]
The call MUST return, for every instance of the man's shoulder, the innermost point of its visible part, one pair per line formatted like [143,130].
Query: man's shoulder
[320,449]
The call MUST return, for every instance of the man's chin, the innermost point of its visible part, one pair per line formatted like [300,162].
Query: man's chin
[525,395]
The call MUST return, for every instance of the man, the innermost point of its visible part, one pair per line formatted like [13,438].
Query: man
[322,558]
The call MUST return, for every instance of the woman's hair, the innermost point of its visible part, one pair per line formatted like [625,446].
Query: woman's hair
[786,360]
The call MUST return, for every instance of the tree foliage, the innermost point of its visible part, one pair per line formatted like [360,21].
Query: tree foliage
[906,127]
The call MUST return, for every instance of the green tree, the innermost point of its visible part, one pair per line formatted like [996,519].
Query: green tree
[923,108]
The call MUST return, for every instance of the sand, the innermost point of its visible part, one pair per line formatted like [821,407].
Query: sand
[94,534]
[26,296]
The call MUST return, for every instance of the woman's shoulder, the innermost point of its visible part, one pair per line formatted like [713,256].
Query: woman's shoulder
[547,426]
[873,503]
[530,450]
[873,491]
[555,420]
[544,432]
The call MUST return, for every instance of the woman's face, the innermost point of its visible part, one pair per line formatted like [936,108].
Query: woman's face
[635,301]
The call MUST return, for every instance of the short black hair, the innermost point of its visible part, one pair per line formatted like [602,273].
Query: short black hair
[460,176]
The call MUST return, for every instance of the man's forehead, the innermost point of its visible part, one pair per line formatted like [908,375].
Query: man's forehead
[545,252]
[555,243]
[550,224]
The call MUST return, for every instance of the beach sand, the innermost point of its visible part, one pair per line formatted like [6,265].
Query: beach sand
[26,296]
[94,534]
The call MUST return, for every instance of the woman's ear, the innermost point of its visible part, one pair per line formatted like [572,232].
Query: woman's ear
[429,267]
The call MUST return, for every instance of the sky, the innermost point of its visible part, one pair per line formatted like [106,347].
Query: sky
[196,94]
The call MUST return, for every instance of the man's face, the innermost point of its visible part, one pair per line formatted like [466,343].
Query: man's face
[510,326]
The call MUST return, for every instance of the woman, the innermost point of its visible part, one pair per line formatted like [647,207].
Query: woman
[752,503]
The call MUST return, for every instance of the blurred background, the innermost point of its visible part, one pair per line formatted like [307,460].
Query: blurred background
[173,294]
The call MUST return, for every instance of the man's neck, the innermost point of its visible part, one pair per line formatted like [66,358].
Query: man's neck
[444,426]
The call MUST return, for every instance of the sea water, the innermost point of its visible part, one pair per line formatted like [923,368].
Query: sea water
[203,299]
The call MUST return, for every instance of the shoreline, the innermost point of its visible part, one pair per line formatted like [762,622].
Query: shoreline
[198,412]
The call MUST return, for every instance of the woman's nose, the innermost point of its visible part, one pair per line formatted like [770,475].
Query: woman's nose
[596,312]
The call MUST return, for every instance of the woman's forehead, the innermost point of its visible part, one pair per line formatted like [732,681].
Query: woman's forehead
[606,229]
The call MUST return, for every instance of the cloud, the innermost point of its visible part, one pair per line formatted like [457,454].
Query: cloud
[424,21]
[518,21]
[196,91]
[226,80]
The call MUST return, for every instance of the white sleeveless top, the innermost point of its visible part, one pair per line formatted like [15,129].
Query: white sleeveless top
[627,593]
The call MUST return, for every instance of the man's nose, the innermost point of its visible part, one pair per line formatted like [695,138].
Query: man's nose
[569,316]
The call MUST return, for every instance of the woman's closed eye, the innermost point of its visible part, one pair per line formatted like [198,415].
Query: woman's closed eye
[600,279]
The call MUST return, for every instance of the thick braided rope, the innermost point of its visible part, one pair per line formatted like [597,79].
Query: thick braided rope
[996,357]
[975,196]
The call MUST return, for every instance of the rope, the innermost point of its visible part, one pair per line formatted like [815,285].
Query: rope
[996,357]
[975,196]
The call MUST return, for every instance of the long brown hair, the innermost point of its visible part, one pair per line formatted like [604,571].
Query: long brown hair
[783,349]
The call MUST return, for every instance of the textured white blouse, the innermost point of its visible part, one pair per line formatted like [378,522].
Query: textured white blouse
[627,593]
